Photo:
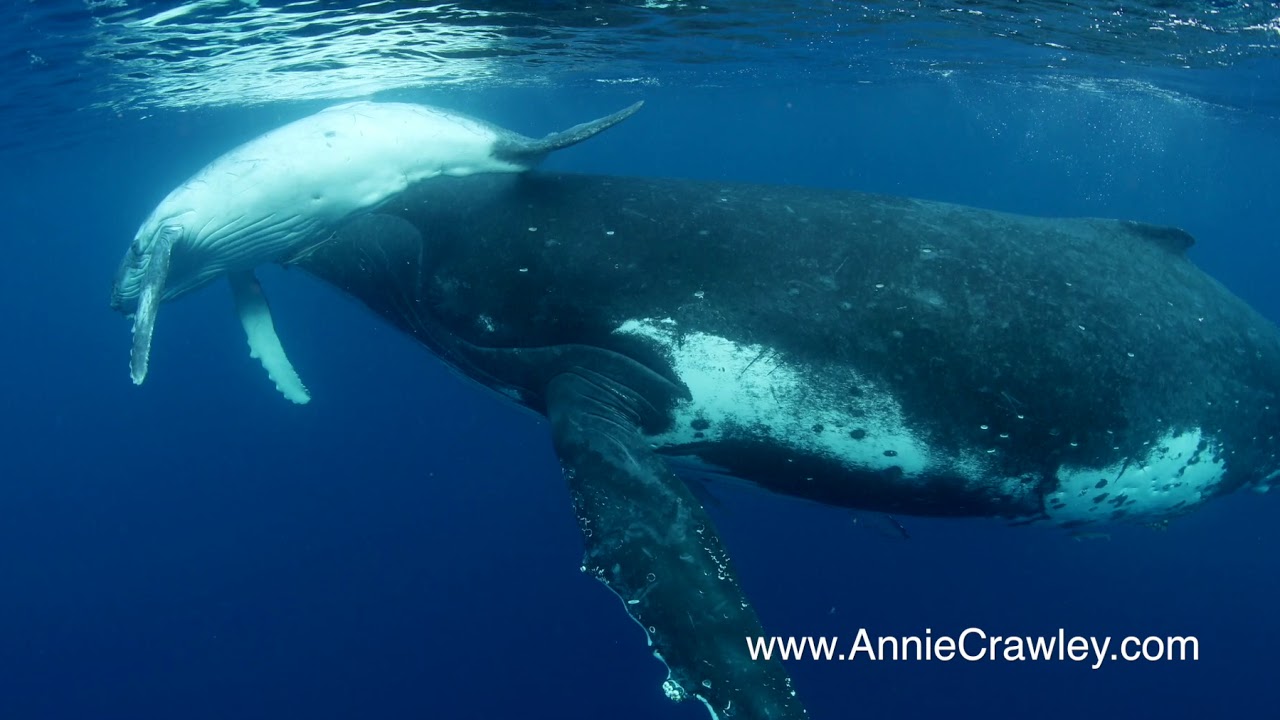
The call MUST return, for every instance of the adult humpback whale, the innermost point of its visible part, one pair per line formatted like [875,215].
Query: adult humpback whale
[278,196]
[856,350]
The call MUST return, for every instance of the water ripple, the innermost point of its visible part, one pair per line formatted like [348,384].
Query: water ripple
[66,56]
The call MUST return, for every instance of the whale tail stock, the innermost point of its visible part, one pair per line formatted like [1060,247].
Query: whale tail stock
[529,151]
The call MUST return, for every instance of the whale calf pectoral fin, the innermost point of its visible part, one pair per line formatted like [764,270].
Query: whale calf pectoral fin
[144,318]
[652,544]
[528,152]
[264,344]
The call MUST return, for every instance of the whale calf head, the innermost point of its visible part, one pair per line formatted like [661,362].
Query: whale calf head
[127,285]
[197,234]
[139,288]
[277,197]
[160,233]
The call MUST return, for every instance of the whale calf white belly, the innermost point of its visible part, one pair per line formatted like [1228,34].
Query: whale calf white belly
[277,197]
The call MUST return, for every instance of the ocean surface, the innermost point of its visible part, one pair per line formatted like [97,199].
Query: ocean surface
[403,547]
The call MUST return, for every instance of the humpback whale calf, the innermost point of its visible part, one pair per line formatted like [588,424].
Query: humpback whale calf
[274,198]
[873,352]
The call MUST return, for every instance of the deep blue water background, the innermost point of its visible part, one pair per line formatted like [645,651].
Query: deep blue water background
[403,546]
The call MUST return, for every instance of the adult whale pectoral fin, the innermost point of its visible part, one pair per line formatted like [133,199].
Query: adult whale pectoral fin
[264,344]
[528,151]
[653,545]
[144,318]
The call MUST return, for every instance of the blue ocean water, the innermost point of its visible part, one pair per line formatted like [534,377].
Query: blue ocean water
[403,546]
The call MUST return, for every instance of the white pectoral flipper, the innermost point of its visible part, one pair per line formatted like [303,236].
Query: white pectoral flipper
[264,344]
[144,317]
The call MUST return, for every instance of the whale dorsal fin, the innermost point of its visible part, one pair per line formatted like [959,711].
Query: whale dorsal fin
[528,151]
[1175,240]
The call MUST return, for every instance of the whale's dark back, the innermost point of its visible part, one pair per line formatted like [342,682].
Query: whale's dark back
[1085,338]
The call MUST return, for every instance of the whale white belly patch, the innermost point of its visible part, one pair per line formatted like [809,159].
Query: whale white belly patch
[746,390]
[1179,472]
[746,387]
